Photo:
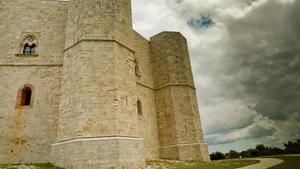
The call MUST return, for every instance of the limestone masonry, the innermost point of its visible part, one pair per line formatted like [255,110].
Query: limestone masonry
[81,89]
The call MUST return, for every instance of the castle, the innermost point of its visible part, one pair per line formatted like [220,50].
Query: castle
[81,89]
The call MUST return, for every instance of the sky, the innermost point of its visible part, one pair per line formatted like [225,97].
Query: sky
[245,57]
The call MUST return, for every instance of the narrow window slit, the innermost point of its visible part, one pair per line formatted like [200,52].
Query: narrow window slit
[27,98]
[139,108]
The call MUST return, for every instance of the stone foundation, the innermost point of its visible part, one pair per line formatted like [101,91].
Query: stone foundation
[186,152]
[99,153]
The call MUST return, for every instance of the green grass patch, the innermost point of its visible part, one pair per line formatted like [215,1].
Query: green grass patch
[221,164]
[290,162]
[30,166]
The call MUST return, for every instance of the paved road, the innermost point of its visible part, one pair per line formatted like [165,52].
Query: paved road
[264,163]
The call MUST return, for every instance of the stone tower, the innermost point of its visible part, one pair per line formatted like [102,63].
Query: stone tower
[97,119]
[180,132]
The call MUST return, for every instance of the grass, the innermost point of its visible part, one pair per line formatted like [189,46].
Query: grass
[32,166]
[163,164]
[221,164]
[290,162]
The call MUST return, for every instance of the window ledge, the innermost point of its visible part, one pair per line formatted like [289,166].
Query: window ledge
[27,55]
[23,107]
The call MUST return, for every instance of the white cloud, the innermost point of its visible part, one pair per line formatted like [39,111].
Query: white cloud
[261,127]
[152,17]
[226,116]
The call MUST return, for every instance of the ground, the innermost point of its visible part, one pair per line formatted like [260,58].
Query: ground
[221,164]
[159,164]
[290,162]
[30,166]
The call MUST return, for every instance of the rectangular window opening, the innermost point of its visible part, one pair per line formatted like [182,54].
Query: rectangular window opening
[27,98]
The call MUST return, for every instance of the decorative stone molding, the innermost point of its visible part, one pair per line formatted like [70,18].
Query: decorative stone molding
[27,55]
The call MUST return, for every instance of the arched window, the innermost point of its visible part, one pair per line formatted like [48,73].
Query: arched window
[139,108]
[29,45]
[25,97]
[29,49]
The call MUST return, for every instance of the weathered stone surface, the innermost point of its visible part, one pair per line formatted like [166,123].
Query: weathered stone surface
[87,72]
[27,133]
[180,131]
[100,153]
[145,93]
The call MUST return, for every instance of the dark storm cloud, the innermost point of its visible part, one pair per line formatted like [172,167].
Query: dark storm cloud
[256,59]
[269,46]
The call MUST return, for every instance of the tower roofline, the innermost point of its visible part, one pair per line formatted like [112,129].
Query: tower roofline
[168,32]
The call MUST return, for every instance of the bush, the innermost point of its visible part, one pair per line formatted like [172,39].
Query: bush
[217,156]
[292,147]
[260,150]
[233,154]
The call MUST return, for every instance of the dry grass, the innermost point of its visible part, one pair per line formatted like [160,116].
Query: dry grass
[158,164]
[221,164]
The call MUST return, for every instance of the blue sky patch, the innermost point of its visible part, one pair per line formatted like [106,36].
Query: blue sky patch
[200,23]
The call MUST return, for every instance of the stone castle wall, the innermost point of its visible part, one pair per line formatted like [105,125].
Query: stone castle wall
[86,85]
[46,19]
[26,133]
[146,95]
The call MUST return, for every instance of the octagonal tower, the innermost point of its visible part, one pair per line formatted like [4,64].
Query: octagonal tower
[180,130]
[97,119]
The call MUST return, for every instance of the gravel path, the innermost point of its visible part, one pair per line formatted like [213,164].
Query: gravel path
[264,163]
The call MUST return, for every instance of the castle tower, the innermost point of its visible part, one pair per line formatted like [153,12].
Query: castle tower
[98,117]
[180,131]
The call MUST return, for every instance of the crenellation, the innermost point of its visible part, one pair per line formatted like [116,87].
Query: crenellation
[72,74]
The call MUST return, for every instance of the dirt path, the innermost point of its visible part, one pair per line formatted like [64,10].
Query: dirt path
[264,163]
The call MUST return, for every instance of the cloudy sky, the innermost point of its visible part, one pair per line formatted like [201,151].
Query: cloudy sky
[246,62]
